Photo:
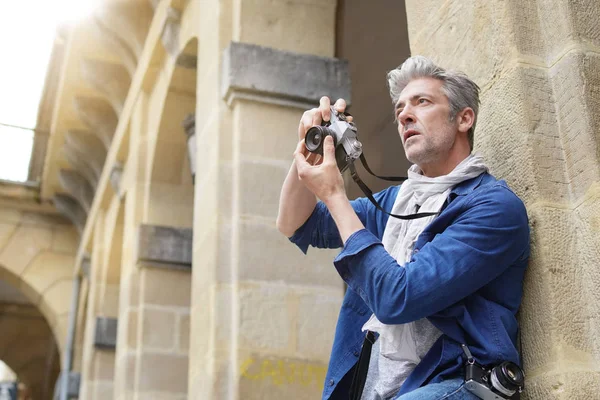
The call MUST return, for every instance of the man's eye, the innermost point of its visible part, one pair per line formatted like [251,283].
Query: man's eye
[422,100]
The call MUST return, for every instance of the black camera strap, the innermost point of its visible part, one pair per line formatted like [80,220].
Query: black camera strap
[369,193]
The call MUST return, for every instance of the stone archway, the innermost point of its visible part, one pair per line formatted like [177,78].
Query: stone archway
[36,264]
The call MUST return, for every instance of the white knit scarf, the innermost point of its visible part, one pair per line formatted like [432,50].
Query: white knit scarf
[422,194]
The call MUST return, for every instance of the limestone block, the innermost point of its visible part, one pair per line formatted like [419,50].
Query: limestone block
[132,323]
[302,26]
[456,39]
[280,77]
[47,269]
[6,232]
[165,287]
[105,334]
[24,245]
[170,162]
[163,372]
[9,215]
[558,385]
[557,325]
[171,204]
[516,131]
[183,341]
[65,239]
[157,329]
[267,131]
[260,187]
[564,23]
[265,317]
[104,365]
[264,377]
[58,296]
[575,83]
[103,390]
[265,254]
[531,25]
[315,339]
[165,245]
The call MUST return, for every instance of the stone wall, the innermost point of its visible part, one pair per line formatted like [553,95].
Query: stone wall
[537,64]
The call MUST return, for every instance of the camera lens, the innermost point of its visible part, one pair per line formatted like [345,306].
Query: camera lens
[314,138]
[507,378]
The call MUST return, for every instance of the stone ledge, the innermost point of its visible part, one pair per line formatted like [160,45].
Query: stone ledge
[164,246]
[105,336]
[280,77]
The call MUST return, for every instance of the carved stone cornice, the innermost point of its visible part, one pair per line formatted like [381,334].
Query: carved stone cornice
[70,208]
[116,44]
[130,21]
[78,162]
[78,187]
[111,80]
[281,77]
[99,116]
[89,146]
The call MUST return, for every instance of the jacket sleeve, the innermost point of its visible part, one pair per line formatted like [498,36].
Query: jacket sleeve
[320,230]
[488,236]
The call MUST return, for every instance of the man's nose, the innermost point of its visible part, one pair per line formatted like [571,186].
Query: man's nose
[406,117]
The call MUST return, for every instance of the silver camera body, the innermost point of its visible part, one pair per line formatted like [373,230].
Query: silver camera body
[345,139]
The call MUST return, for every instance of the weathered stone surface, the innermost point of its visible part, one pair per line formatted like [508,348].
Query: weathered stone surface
[116,44]
[538,128]
[163,372]
[158,330]
[265,254]
[165,245]
[78,187]
[281,77]
[89,146]
[266,377]
[71,209]
[105,336]
[265,317]
[164,287]
[99,116]
[111,80]
[297,25]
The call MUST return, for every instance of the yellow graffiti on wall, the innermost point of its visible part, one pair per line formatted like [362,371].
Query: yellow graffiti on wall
[282,372]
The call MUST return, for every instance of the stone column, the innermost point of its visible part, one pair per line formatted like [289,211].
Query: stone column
[263,314]
[126,350]
[538,65]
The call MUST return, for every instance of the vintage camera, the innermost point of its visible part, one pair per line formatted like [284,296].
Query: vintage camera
[499,382]
[345,140]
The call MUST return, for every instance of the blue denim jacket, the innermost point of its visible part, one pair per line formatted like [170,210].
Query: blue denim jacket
[465,276]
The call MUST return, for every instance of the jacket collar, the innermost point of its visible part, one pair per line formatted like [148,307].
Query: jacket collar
[468,186]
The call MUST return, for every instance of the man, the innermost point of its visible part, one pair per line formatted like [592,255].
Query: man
[427,285]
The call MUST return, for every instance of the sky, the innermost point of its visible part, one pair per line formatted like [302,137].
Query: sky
[27,30]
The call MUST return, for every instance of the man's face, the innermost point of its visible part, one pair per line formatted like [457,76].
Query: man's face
[423,114]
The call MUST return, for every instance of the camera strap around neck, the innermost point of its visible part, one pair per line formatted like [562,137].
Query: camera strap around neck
[369,193]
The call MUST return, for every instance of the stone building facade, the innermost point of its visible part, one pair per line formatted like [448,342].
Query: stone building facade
[148,255]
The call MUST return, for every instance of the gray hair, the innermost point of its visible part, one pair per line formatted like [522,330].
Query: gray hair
[461,91]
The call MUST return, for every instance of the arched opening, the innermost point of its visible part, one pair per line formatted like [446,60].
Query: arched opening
[171,190]
[30,359]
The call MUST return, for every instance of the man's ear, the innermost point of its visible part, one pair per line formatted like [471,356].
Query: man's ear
[465,119]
